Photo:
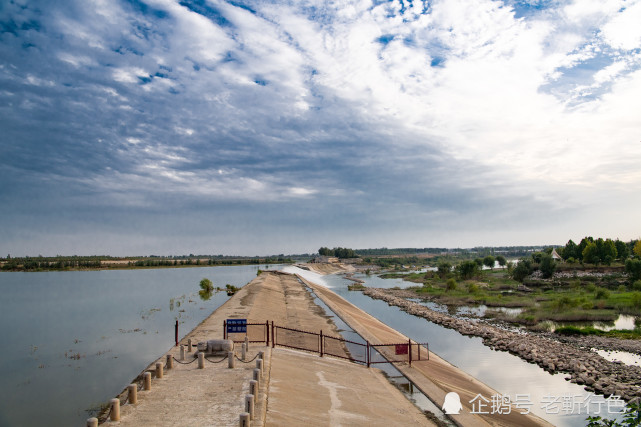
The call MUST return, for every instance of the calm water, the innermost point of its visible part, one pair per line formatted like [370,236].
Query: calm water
[502,371]
[73,340]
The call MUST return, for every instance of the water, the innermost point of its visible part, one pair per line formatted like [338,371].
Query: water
[504,372]
[73,340]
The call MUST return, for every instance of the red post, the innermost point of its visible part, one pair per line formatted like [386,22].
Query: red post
[410,350]
[321,343]
[418,347]
[176,332]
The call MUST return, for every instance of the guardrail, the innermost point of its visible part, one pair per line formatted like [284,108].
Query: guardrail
[318,342]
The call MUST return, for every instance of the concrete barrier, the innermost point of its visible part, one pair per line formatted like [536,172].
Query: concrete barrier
[253,388]
[159,372]
[115,410]
[201,360]
[147,377]
[170,362]
[249,405]
[132,393]
[244,420]
[230,360]
[93,422]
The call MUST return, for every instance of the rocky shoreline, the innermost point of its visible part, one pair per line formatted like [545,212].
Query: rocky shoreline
[584,367]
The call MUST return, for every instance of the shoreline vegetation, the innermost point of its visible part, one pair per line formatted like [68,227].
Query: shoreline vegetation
[82,263]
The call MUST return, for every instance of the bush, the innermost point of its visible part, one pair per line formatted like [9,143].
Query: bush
[206,285]
[601,294]
[637,285]
[467,269]
[450,285]
[633,268]
[522,270]
[472,288]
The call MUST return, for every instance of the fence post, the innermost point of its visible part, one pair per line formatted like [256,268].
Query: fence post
[201,360]
[418,347]
[410,350]
[266,333]
[273,335]
[170,362]
[115,409]
[367,354]
[189,345]
[158,370]
[224,329]
[244,420]
[230,359]
[147,377]
[249,405]
[243,351]
[176,333]
[321,343]
[92,422]
[182,352]
[132,393]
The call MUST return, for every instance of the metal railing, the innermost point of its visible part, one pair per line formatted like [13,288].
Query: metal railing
[322,344]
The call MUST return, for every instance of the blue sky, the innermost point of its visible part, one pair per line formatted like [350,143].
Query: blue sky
[262,127]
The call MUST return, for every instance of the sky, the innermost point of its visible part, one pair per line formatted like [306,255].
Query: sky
[137,127]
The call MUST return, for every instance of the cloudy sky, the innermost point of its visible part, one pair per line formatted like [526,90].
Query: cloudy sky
[261,127]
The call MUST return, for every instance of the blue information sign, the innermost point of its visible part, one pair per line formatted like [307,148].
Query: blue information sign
[236,325]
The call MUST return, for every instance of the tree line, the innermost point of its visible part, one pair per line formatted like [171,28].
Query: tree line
[337,252]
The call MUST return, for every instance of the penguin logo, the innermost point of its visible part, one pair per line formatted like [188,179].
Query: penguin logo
[452,404]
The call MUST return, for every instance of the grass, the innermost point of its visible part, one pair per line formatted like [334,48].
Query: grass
[562,300]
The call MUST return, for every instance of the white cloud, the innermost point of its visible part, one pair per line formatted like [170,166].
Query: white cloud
[623,31]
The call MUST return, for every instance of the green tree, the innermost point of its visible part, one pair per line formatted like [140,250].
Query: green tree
[590,253]
[479,262]
[522,269]
[467,269]
[622,249]
[488,261]
[325,251]
[608,251]
[501,260]
[581,247]
[547,266]
[633,268]
[206,285]
[444,268]
[637,248]
[570,250]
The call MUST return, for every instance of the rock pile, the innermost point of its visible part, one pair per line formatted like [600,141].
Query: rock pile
[584,367]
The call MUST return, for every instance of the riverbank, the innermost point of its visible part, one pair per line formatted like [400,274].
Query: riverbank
[583,366]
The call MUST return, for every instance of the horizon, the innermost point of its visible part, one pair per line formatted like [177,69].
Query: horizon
[309,253]
[144,126]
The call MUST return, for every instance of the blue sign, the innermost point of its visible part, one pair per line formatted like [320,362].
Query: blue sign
[236,326]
